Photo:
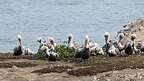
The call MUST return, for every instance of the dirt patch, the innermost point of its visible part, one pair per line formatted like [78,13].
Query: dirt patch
[95,66]
[53,68]
[18,64]
[4,56]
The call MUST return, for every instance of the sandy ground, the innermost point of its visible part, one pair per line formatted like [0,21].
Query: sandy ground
[35,70]
[24,74]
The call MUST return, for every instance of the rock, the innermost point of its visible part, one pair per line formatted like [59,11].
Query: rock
[13,69]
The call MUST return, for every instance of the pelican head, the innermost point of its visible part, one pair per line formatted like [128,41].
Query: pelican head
[86,41]
[106,35]
[51,40]
[133,37]
[19,37]
[121,36]
[70,35]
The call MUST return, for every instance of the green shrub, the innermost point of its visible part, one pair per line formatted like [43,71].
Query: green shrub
[64,52]
[40,55]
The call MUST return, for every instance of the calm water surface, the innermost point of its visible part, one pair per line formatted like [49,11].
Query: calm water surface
[59,17]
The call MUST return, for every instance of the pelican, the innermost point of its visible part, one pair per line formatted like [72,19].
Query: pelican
[39,40]
[70,41]
[41,43]
[118,44]
[96,49]
[109,48]
[19,49]
[142,47]
[28,51]
[130,48]
[107,44]
[84,53]
[51,55]
[112,51]
[51,41]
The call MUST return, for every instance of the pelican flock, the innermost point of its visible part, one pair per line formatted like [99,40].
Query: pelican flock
[87,49]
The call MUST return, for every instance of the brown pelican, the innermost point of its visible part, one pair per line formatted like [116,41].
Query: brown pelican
[118,44]
[70,41]
[95,49]
[51,43]
[19,49]
[142,47]
[130,48]
[109,47]
[28,51]
[41,43]
[50,54]
[84,53]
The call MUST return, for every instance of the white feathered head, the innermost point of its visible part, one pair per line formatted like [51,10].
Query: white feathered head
[39,39]
[19,37]
[106,34]
[121,35]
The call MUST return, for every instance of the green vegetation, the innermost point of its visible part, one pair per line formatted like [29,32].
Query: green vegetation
[40,55]
[64,52]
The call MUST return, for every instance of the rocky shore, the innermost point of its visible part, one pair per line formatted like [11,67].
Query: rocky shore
[136,27]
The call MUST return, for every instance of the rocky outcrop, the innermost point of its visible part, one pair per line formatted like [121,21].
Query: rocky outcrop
[136,27]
